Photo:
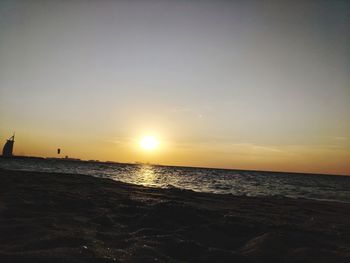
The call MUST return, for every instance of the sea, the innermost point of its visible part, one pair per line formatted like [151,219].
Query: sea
[218,181]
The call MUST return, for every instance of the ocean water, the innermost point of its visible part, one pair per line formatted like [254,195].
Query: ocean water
[236,182]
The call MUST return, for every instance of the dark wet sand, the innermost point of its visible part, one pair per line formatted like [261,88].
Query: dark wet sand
[75,218]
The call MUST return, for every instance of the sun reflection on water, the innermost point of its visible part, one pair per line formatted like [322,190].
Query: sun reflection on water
[146,175]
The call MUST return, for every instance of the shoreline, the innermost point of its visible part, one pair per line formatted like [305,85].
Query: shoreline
[190,190]
[55,217]
[167,165]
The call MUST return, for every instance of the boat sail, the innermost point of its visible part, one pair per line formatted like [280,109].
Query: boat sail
[8,147]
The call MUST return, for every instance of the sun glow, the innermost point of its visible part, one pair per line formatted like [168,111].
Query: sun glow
[149,143]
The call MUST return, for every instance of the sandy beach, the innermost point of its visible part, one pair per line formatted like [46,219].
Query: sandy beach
[46,217]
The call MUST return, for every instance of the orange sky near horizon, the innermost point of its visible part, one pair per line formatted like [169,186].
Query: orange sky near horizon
[291,158]
[227,84]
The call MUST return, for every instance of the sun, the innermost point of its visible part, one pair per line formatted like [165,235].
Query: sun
[149,143]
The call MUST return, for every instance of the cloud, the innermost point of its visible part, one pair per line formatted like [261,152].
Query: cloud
[180,109]
[340,138]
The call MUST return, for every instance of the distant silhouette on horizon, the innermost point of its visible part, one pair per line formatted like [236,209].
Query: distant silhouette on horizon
[8,147]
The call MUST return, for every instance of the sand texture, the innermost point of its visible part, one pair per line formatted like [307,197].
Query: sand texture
[76,218]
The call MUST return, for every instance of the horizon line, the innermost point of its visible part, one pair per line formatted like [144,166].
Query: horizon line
[169,165]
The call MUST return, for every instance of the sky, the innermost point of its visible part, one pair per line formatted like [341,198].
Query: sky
[261,85]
